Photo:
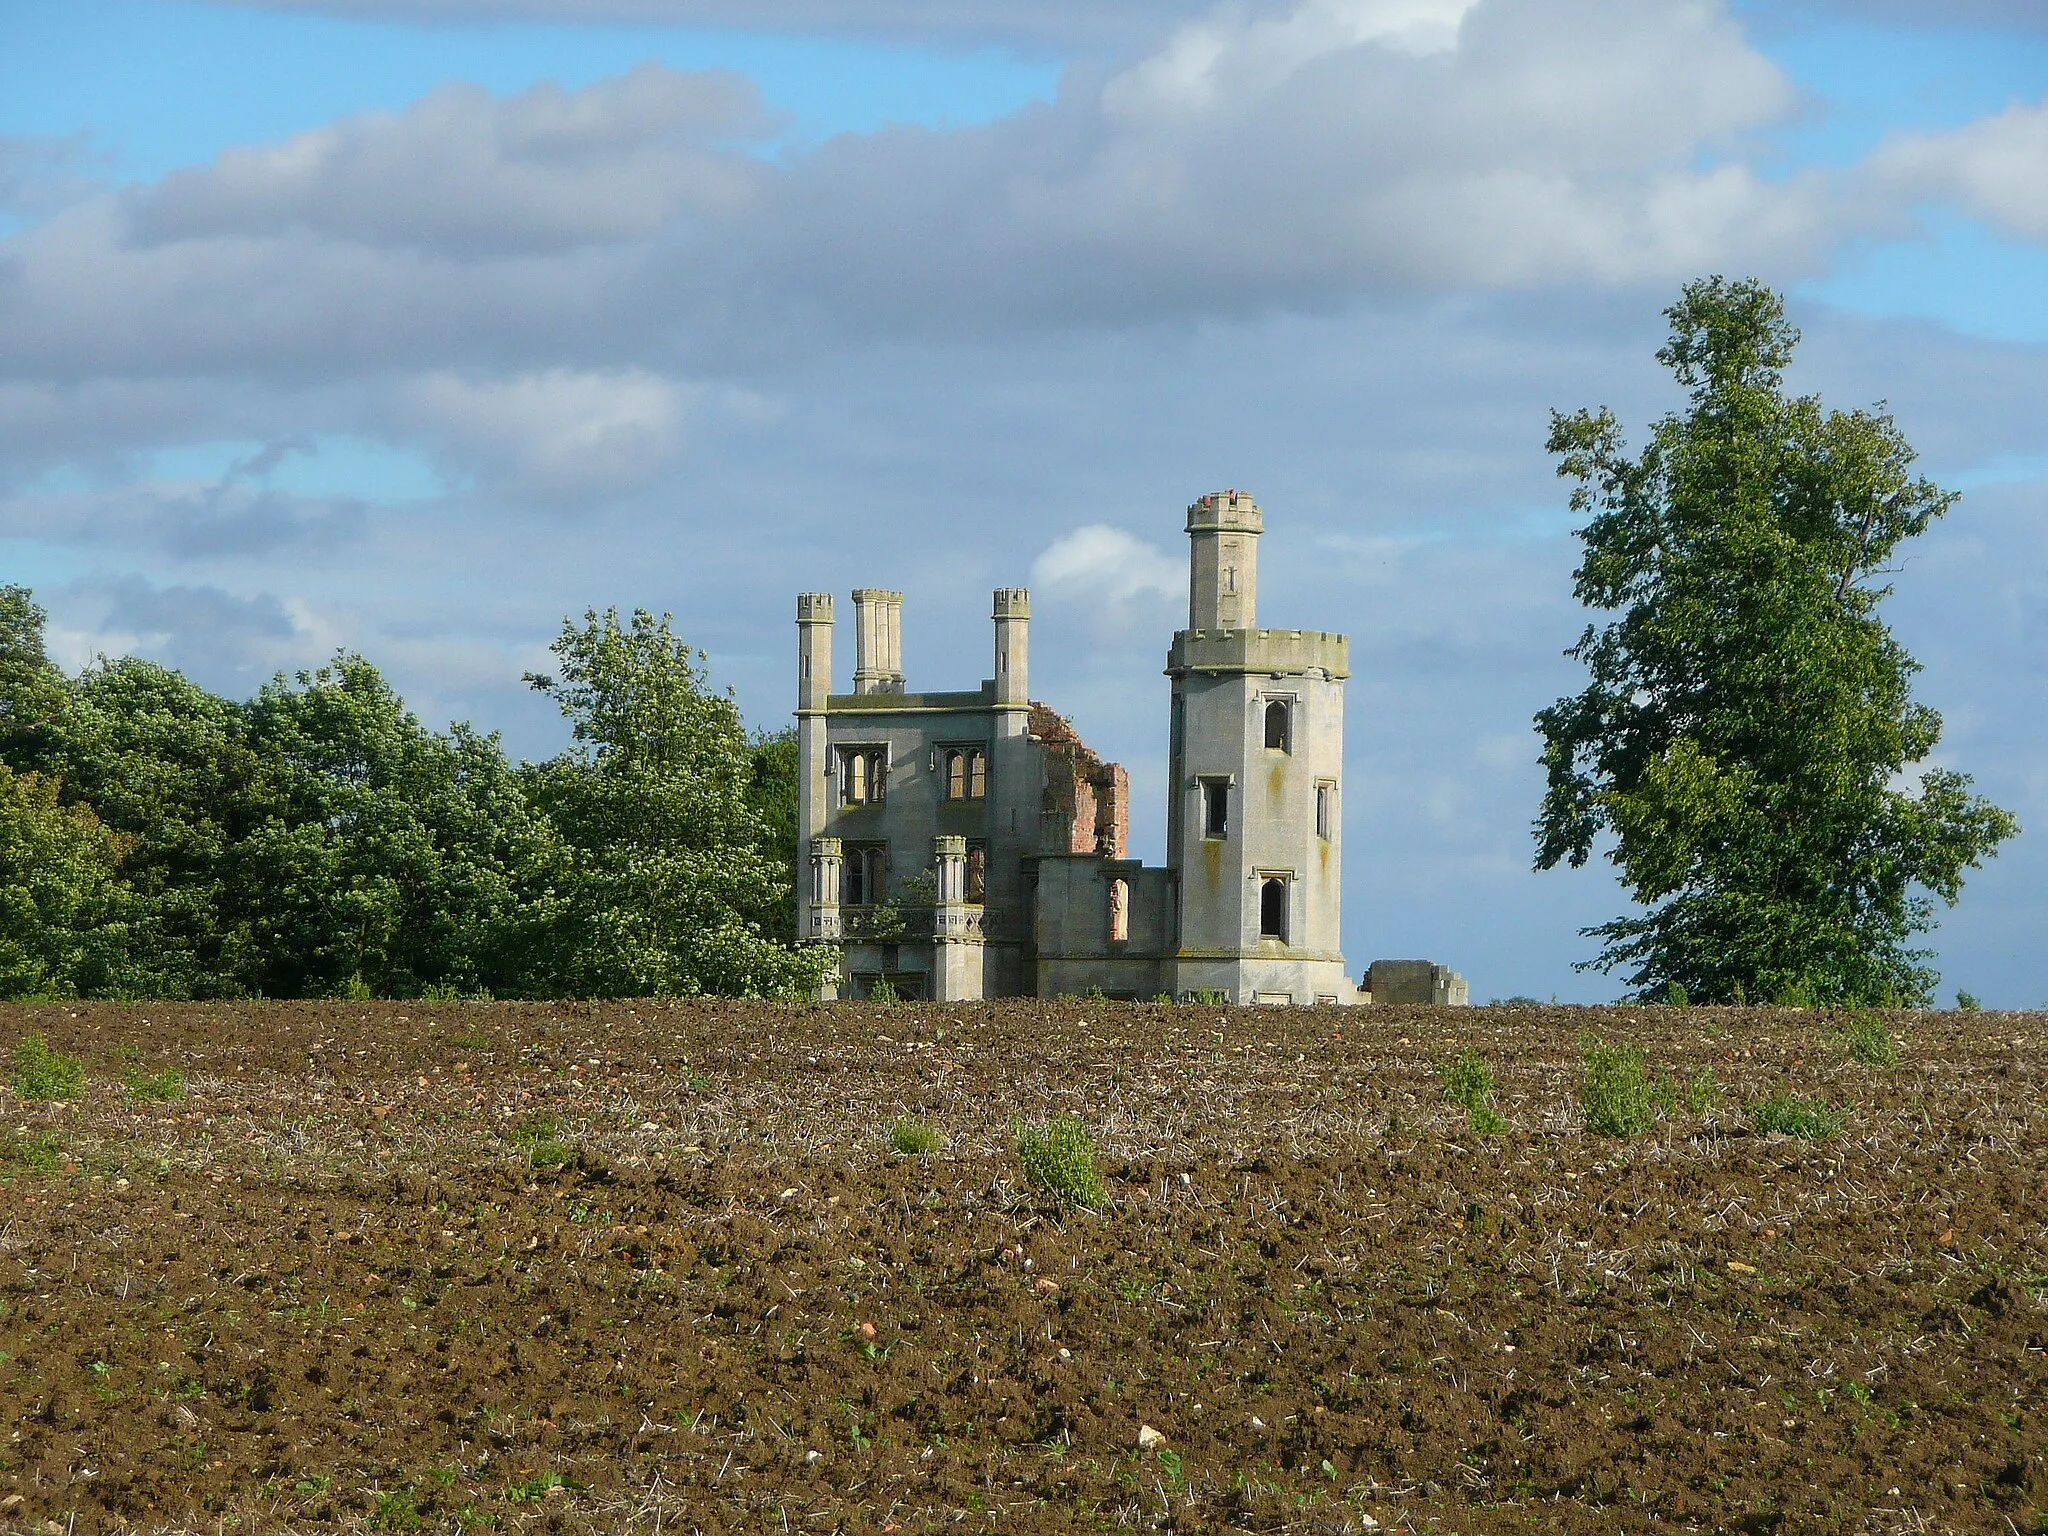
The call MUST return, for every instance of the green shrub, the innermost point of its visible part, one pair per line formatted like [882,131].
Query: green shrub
[880,991]
[167,1084]
[1614,1092]
[41,1073]
[1059,1158]
[1210,997]
[1468,1082]
[1867,1041]
[1786,1114]
[543,1143]
[1967,1002]
[913,1137]
[1676,995]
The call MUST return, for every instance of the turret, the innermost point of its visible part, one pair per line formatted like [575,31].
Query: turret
[1223,561]
[1013,645]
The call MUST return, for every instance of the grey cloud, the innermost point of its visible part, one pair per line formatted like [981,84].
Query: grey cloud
[1061,24]
[465,173]
[226,520]
[1258,159]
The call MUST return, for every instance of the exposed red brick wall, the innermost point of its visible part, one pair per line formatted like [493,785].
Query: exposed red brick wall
[1090,797]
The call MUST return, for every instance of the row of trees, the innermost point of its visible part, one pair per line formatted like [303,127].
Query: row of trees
[157,840]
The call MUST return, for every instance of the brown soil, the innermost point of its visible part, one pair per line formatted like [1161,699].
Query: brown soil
[330,1286]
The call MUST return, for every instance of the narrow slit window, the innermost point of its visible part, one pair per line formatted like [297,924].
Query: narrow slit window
[1215,807]
[1119,911]
[1326,798]
[1273,908]
[977,776]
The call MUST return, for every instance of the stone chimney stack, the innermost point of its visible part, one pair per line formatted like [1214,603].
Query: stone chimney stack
[1013,645]
[878,641]
[1223,561]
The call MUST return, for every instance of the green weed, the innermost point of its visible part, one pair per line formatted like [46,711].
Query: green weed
[1059,1158]
[1614,1092]
[160,1086]
[1868,1042]
[539,1486]
[42,1073]
[541,1139]
[913,1137]
[1468,1082]
[1786,1114]
[41,1153]
[396,1511]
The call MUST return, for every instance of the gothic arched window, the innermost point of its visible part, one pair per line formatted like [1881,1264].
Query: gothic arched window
[1273,908]
[1277,735]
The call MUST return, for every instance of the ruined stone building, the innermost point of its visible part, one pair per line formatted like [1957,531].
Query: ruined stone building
[969,844]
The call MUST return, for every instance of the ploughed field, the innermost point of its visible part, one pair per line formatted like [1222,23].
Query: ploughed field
[634,1267]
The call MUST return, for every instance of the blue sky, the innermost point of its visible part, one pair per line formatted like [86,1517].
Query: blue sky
[313,344]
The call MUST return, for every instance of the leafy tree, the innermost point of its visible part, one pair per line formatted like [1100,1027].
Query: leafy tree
[667,875]
[173,768]
[387,857]
[62,905]
[773,798]
[1748,726]
[35,696]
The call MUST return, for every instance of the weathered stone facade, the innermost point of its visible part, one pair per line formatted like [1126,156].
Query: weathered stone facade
[968,845]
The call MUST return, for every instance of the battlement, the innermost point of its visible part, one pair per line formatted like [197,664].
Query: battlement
[1287,652]
[1226,510]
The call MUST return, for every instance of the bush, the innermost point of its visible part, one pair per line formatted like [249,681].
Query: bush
[1868,1042]
[41,1073]
[880,991]
[1786,1114]
[1209,997]
[913,1137]
[1967,1002]
[1614,1092]
[1468,1081]
[1059,1158]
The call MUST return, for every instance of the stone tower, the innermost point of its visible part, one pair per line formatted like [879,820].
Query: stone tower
[1254,825]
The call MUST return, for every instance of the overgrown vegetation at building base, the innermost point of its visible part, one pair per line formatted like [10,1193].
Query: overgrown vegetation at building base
[628,1267]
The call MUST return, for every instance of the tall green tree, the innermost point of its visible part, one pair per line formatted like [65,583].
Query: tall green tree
[63,910]
[1747,736]
[669,881]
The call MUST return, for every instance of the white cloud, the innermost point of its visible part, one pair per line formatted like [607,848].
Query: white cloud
[561,435]
[1102,563]
[1995,168]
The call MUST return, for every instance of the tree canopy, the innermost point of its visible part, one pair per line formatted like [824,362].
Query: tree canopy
[159,841]
[1748,737]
